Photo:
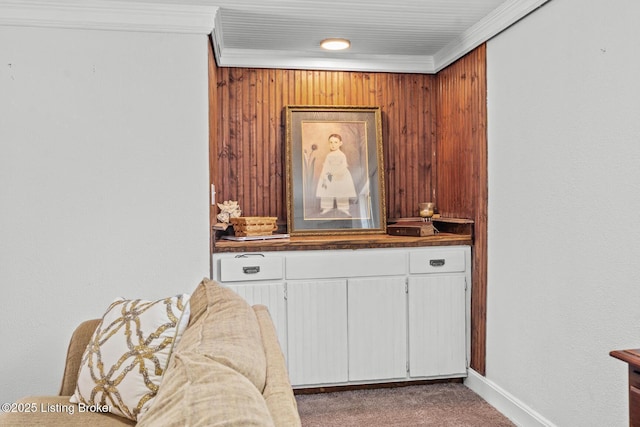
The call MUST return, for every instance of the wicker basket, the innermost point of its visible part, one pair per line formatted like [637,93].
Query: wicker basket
[245,226]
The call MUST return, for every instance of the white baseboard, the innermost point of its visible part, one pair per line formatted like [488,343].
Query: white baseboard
[507,404]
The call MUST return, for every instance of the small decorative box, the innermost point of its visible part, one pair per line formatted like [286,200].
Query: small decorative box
[415,229]
[253,225]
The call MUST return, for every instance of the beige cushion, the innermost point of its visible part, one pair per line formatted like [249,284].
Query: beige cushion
[198,303]
[227,332]
[128,353]
[277,393]
[58,411]
[199,391]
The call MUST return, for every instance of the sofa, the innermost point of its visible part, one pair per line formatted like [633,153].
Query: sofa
[227,369]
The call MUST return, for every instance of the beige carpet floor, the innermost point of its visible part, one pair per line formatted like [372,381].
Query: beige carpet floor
[446,404]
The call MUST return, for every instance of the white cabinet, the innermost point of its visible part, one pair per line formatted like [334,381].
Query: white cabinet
[437,326]
[343,331]
[317,330]
[361,316]
[377,329]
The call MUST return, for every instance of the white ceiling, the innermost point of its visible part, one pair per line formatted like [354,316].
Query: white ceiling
[421,36]
[405,36]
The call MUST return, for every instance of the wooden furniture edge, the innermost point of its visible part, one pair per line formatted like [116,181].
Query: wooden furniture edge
[631,356]
[342,242]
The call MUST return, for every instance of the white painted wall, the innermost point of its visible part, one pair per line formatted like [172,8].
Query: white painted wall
[564,202]
[103,184]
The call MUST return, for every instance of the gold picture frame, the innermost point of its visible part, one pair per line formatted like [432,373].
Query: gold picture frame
[334,170]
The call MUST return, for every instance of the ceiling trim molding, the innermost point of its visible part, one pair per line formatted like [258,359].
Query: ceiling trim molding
[491,25]
[217,37]
[248,58]
[145,16]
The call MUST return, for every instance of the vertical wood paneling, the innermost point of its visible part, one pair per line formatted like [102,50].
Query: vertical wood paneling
[248,164]
[461,159]
[214,111]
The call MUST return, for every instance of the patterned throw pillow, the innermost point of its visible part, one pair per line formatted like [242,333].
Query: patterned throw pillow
[125,360]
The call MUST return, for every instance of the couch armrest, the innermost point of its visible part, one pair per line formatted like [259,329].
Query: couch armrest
[277,391]
[79,340]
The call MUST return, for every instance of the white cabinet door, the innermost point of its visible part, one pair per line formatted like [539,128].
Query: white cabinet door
[437,325]
[317,331]
[271,295]
[377,315]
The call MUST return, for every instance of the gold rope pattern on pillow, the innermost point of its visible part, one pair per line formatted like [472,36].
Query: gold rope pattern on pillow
[125,360]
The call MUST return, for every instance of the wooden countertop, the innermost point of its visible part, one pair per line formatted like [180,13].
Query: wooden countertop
[351,241]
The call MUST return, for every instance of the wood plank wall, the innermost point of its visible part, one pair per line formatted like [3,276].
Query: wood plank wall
[213,132]
[434,132]
[461,184]
[248,145]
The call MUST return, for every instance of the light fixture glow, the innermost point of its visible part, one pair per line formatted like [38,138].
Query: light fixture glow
[335,44]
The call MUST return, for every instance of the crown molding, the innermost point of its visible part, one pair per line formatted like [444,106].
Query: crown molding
[146,16]
[491,25]
[217,37]
[254,58]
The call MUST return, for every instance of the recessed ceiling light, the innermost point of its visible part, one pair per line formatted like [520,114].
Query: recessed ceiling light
[335,44]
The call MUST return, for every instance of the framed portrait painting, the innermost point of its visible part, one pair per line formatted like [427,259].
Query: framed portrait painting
[334,170]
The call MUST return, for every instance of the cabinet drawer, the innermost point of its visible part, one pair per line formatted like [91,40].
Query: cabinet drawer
[244,268]
[345,264]
[440,261]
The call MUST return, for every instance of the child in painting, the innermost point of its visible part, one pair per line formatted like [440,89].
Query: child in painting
[336,182]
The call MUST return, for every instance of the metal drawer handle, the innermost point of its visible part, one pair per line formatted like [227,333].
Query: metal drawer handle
[251,269]
[436,262]
[248,255]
